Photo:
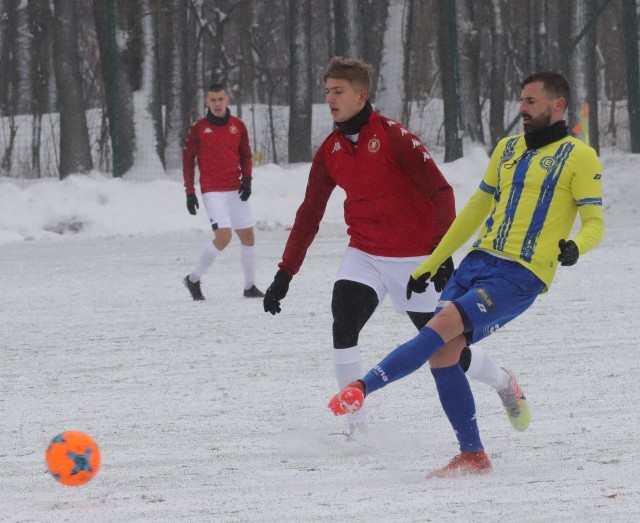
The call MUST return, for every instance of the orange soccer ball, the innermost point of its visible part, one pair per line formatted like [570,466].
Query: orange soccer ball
[73,458]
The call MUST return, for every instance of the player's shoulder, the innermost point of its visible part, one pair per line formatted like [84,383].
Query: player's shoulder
[400,136]
[392,127]
[510,142]
[330,141]
[199,125]
[581,148]
[234,120]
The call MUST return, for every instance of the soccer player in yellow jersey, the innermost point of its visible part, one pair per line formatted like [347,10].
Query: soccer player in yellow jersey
[525,207]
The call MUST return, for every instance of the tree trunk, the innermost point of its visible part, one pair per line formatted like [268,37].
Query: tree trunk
[591,77]
[373,24]
[497,80]
[470,71]
[300,96]
[150,87]
[40,29]
[8,29]
[118,92]
[23,57]
[391,91]
[448,51]
[630,24]
[346,16]
[577,77]
[177,108]
[75,152]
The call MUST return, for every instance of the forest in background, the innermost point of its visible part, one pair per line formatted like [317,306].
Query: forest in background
[90,85]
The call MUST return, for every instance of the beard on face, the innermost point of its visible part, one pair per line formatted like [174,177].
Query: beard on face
[536,124]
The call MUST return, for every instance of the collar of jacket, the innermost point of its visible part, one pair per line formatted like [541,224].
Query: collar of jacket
[214,120]
[553,133]
[356,122]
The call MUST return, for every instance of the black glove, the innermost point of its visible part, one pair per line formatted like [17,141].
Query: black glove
[245,188]
[192,203]
[418,285]
[276,292]
[569,252]
[442,275]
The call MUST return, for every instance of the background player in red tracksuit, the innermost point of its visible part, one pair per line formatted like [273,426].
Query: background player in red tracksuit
[220,143]
[398,206]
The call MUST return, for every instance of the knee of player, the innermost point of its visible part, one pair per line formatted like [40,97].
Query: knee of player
[345,335]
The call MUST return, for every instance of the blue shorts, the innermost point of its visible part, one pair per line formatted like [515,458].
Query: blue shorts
[489,292]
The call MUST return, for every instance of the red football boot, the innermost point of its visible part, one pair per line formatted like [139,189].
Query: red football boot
[348,400]
[476,463]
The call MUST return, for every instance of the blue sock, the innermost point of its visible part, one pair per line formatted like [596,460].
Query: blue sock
[404,360]
[458,404]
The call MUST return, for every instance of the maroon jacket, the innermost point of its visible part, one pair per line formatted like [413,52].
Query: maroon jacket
[223,154]
[398,203]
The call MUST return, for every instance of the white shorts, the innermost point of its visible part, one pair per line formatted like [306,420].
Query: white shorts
[388,276]
[227,210]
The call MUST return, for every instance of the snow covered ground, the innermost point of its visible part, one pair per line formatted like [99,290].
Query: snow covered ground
[216,411]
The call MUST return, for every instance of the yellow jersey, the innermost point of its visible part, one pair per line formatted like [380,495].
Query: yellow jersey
[528,200]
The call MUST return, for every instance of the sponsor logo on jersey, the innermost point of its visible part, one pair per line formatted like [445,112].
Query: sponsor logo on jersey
[233,129]
[373,145]
[336,147]
[548,162]
[487,303]
[208,130]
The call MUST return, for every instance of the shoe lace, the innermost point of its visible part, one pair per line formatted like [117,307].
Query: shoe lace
[510,397]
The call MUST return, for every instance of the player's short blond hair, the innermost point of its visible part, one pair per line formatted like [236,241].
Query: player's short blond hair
[353,71]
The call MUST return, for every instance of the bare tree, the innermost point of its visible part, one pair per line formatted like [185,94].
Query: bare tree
[117,88]
[591,77]
[40,28]
[373,18]
[177,106]
[150,86]
[75,152]
[346,17]
[299,81]
[577,63]
[630,23]
[391,92]
[448,52]
[8,88]
[23,57]
[497,74]
[469,36]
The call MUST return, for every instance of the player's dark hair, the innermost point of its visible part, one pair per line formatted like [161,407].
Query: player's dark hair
[555,85]
[215,88]
[353,71]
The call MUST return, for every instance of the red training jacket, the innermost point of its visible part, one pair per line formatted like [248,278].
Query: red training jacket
[223,153]
[398,203]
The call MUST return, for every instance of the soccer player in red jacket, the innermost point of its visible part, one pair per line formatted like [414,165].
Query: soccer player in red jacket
[398,207]
[220,143]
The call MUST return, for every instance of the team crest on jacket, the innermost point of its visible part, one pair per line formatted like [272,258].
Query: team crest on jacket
[233,129]
[373,145]
[548,163]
